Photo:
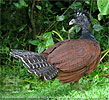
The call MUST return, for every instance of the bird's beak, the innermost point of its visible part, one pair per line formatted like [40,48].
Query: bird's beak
[72,22]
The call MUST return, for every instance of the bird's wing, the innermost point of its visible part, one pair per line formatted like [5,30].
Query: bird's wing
[69,77]
[74,55]
[51,49]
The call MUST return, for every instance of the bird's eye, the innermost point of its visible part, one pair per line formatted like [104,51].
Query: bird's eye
[78,19]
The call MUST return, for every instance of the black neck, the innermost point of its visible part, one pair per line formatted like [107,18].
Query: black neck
[86,34]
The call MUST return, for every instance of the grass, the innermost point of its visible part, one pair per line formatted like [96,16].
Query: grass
[54,89]
[16,82]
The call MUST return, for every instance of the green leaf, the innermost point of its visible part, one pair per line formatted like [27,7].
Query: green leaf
[97,27]
[41,47]
[22,27]
[41,37]
[2,2]
[59,4]
[77,29]
[47,35]
[100,16]
[87,1]
[23,3]
[103,6]
[76,5]
[17,5]
[49,40]
[60,18]
[71,29]
[38,7]
[34,42]
[94,21]
[63,29]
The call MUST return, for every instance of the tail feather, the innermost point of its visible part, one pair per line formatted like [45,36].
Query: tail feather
[36,63]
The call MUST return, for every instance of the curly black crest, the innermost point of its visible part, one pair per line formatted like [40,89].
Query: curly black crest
[84,13]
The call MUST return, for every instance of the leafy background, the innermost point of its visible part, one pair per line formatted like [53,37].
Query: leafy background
[36,25]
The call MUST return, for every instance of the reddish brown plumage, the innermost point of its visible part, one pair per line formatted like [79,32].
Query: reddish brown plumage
[73,58]
[69,60]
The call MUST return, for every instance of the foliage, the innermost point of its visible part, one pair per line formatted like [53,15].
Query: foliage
[36,25]
[103,7]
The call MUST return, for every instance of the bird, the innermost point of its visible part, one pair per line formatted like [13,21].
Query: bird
[67,60]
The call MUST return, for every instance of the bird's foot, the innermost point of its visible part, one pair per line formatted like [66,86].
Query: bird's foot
[78,85]
[71,85]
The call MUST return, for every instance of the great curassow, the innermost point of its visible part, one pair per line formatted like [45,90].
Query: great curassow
[68,60]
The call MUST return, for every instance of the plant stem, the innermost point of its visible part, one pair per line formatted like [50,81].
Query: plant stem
[32,19]
[58,35]
[104,55]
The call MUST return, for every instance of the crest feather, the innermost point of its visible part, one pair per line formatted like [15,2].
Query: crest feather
[84,13]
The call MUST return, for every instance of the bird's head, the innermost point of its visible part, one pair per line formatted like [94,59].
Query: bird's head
[81,19]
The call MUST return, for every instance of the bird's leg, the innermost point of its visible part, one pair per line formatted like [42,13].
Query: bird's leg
[71,85]
[78,85]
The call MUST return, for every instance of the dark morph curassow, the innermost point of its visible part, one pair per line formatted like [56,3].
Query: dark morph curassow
[68,60]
